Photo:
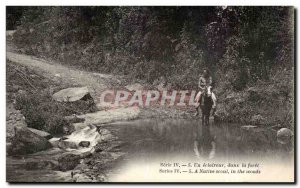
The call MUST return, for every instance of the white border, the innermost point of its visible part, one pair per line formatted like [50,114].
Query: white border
[115,3]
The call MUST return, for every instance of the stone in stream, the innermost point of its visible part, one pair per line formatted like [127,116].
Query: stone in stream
[84,143]
[68,162]
[71,94]
[67,144]
[41,133]
[26,141]
[54,142]
[79,126]
[88,134]
[284,135]
[68,129]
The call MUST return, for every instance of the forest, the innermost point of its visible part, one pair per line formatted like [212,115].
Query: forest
[249,50]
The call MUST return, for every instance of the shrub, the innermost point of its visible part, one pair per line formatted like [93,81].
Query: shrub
[36,104]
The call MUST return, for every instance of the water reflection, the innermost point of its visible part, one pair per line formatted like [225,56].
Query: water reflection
[188,138]
[204,144]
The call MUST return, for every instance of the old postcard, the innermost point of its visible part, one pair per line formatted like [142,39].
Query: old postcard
[150,94]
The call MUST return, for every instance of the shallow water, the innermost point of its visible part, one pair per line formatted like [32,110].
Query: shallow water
[180,137]
[163,140]
[149,143]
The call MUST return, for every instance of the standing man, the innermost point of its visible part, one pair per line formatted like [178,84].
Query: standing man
[204,81]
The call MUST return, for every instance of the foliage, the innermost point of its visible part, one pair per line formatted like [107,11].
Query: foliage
[32,94]
[242,46]
[178,41]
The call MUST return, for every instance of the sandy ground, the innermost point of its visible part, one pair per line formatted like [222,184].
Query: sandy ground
[95,82]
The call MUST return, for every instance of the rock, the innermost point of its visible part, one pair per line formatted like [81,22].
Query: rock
[83,178]
[87,134]
[41,133]
[26,141]
[79,126]
[87,154]
[102,146]
[13,118]
[54,142]
[68,129]
[84,143]
[68,162]
[71,94]
[81,166]
[105,135]
[67,144]
[284,135]
[63,138]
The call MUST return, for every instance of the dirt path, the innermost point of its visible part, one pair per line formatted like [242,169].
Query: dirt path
[94,81]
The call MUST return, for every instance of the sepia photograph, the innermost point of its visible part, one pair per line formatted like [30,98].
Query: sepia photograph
[150,94]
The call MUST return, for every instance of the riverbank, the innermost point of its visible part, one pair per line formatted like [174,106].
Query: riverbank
[30,105]
[30,90]
[267,103]
[30,98]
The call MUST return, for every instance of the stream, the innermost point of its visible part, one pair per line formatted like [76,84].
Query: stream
[149,140]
